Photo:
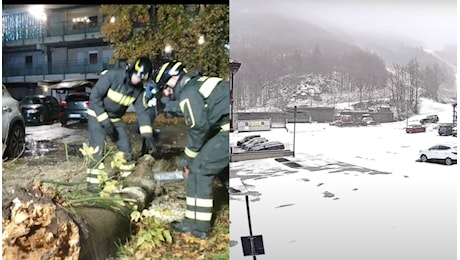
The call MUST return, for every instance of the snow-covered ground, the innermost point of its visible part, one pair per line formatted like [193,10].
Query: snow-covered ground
[358,193]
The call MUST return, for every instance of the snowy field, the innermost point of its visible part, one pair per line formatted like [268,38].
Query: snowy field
[356,193]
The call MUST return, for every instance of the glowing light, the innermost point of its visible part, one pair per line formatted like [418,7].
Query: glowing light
[38,11]
[168,48]
[201,40]
[112,19]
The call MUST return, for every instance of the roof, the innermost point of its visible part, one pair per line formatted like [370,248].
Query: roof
[69,84]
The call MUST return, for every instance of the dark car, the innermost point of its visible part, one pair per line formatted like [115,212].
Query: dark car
[253,141]
[445,129]
[415,128]
[74,108]
[39,109]
[273,145]
[245,139]
[430,119]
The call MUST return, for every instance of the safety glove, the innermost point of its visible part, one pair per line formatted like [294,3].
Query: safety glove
[148,145]
[184,161]
[111,131]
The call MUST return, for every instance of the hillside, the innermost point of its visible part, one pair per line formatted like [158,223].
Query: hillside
[279,69]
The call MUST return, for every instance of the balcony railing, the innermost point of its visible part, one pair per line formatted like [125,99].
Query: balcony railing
[70,67]
[20,27]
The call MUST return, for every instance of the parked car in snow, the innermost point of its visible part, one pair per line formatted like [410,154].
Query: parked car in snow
[344,120]
[429,119]
[245,139]
[440,152]
[272,145]
[445,129]
[13,127]
[253,141]
[415,128]
[367,119]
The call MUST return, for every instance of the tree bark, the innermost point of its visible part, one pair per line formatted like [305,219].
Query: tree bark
[39,225]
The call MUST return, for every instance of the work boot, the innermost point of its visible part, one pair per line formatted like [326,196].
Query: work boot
[200,229]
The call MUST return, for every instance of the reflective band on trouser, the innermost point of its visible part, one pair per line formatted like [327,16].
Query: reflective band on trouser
[92,175]
[190,153]
[199,209]
[126,170]
[145,129]
[225,127]
[205,203]
[203,216]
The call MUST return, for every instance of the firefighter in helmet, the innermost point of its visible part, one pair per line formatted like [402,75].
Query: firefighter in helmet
[110,97]
[204,102]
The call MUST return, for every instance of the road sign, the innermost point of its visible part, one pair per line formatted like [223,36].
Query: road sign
[253,245]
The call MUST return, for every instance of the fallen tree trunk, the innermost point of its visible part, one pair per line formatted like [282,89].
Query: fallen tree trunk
[39,225]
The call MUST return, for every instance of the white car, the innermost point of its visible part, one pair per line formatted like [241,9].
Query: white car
[440,152]
[13,127]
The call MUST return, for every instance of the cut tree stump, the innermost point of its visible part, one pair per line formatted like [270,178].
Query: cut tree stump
[39,225]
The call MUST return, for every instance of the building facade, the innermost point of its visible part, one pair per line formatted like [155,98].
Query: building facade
[62,43]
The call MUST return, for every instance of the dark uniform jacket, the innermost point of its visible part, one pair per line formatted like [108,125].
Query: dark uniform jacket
[112,95]
[205,103]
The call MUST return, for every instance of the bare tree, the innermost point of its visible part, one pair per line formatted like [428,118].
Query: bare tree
[432,79]
[415,79]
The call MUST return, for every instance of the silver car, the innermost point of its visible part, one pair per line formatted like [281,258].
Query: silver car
[13,127]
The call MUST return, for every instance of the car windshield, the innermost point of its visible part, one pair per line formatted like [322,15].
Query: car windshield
[78,97]
[31,100]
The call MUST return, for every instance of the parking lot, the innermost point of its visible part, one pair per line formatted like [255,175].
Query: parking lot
[352,189]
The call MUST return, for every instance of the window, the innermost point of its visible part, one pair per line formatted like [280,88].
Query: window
[93,57]
[92,21]
[29,61]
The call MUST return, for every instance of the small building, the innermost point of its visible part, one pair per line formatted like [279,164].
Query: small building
[254,125]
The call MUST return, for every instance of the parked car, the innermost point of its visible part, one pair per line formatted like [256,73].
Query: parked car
[454,131]
[344,120]
[245,139]
[39,109]
[429,119]
[415,128]
[253,141]
[74,108]
[440,152]
[272,145]
[13,127]
[445,129]
[367,119]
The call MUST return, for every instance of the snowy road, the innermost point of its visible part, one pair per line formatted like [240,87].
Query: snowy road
[350,193]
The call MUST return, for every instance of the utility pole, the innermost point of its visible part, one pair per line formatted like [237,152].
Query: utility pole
[234,67]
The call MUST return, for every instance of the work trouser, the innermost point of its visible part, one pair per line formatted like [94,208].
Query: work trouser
[211,161]
[97,135]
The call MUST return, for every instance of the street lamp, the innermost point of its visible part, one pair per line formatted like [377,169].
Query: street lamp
[234,67]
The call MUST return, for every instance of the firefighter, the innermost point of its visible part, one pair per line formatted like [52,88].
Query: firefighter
[110,97]
[204,102]
[151,91]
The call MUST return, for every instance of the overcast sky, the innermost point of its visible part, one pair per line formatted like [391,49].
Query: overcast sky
[433,22]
